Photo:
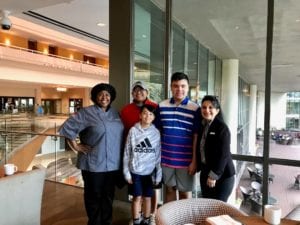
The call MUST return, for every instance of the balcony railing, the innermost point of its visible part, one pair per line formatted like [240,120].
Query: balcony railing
[18,54]
[31,141]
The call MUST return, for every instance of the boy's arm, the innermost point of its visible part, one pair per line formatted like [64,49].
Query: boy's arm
[158,175]
[193,166]
[126,159]
[197,118]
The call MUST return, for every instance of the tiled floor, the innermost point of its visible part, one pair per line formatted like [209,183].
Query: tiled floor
[282,187]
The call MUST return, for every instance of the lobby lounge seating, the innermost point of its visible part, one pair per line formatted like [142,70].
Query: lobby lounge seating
[21,197]
[194,210]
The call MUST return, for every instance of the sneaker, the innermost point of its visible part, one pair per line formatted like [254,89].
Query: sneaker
[140,220]
[152,219]
[132,223]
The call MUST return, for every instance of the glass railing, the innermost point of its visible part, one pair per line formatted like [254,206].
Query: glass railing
[31,141]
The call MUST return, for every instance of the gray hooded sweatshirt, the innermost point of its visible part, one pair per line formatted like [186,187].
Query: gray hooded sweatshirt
[142,152]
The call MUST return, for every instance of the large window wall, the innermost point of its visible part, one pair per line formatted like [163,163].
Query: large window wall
[283,157]
[217,27]
[203,38]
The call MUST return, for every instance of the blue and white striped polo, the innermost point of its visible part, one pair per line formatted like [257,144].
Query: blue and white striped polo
[177,124]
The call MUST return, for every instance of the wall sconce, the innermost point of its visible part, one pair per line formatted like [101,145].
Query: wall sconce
[245,89]
[7,42]
[61,89]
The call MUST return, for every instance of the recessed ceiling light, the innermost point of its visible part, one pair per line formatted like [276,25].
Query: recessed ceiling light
[144,36]
[281,65]
[237,27]
[61,89]
[101,24]
[297,20]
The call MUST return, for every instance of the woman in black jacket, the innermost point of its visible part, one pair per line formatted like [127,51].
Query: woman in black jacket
[213,152]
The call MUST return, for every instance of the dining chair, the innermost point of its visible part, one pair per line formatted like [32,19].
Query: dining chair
[256,186]
[194,210]
[246,192]
[258,167]
[250,171]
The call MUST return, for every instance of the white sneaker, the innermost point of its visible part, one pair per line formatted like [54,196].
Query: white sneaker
[152,219]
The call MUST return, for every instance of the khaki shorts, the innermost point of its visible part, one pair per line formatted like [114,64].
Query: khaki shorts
[178,178]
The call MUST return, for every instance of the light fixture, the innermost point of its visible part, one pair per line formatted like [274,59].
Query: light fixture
[101,24]
[283,65]
[5,21]
[7,42]
[245,90]
[61,89]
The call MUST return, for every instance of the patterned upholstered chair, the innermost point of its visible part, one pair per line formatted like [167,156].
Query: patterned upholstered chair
[193,211]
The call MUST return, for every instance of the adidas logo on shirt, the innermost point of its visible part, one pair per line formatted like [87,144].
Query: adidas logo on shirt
[144,147]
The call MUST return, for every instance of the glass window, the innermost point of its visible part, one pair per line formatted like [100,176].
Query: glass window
[192,59]
[211,73]
[231,53]
[203,70]
[149,27]
[178,48]
[285,95]
[218,80]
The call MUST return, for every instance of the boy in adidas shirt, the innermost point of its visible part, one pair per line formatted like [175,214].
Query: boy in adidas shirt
[141,159]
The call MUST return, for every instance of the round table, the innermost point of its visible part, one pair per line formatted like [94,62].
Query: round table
[259,220]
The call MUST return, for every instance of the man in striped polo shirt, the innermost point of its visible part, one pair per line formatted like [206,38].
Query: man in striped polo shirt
[177,120]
